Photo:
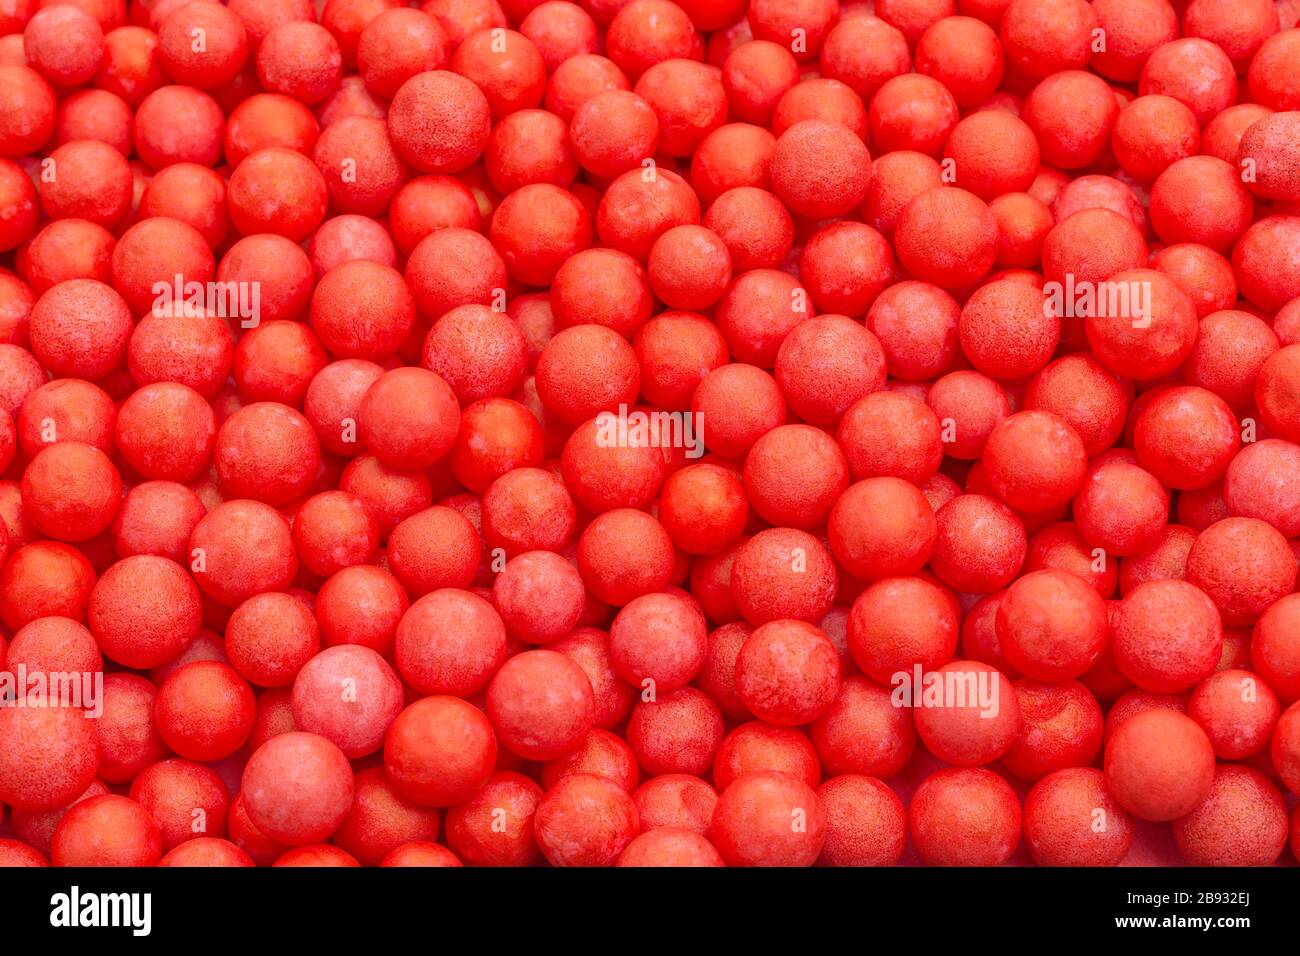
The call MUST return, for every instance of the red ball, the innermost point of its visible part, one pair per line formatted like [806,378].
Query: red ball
[703,508]
[741,403]
[980,545]
[80,328]
[1241,822]
[1237,710]
[381,820]
[820,170]
[560,31]
[220,56]
[882,528]
[964,817]
[1077,389]
[360,605]
[1159,764]
[65,44]
[541,704]
[107,830]
[281,270]
[144,610]
[1061,727]
[206,851]
[184,799]
[637,208]
[277,191]
[42,579]
[783,574]
[408,418]
[71,491]
[1052,625]
[578,79]
[755,76]
[916,324]
[689,267]
[966,714]
[613,132]
[439,751]
[622,555]
[93,182]
[1121,507]
[496,435]
[965,55]
[787,673]
[1034,461]
[49,758]
[1061,817]
[995,153]
[527,509]
[276,361]
[585,370]
[297,788]
[794,474]
[1274,650]
[584,820]
[397,45]
[667,846]
[193,194]
[270,637]
[1008,329]
[439,122]
[866,824]
[947,237]
[658,642]
[167,432]
[537,228]
[1168,71]
[204,711]
[1072,114]
[678,733]
[242,548]
[589,649]
[898,623]
[677,801]
[333,530]
[539,595]
[753,822]
[863,732]
[1244,565]
[300,59]
[128,737]
[362,310]
[754,225]
[530,147]
[912,112]
[482,835]
[505,66]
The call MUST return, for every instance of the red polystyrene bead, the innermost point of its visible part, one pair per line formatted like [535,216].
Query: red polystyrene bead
[900,622]
[584,820]
[107,830]
[439,121]
[1240,562]
[1159,764]
[1034,461]
[297,788]
[204,711]
[964,817]
[752,821]
[1060,813]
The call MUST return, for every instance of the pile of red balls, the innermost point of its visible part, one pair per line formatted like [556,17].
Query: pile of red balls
[636,432]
